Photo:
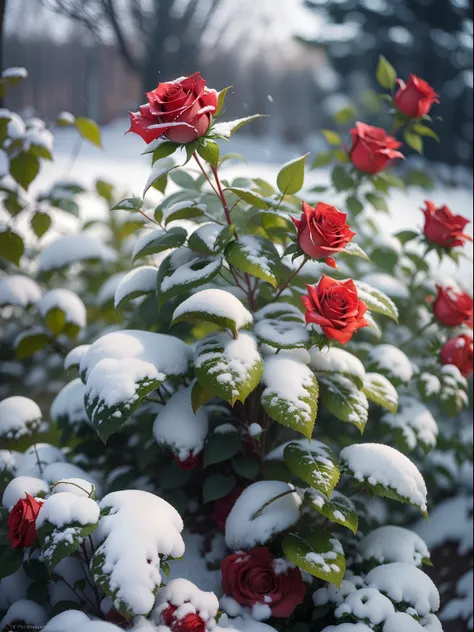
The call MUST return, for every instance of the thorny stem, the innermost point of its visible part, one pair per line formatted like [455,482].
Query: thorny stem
[292,276]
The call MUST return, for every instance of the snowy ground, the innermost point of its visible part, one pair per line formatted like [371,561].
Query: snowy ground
[121,162]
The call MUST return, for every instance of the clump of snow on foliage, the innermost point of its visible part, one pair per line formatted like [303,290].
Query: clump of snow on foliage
[24,610]
[402,621]
[56,472]
[19,486]
[66,621]
[335,360]
[348,627]
[450,521]
[137,282]
[248,525]
[182,264]
[19,290]
[386,283]
[74,357]
[405,583]
[69,404]
[393,544]
[380,464]
[68,302]
[107,290]
[19,416]
[179,428]
[391,361]
[415,421]
[72,249]
[37,457]
[65,507]
[77,486]
[189,599]
[366,603]
[217,303]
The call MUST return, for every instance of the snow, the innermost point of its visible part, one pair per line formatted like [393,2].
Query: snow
[14,72]
[4,163]
[415,421]
[366,603]
[177,427]
[63,508]
[377,383]
[137,282]
[77,486]
[9,460]
[255,430]
[20,486]
[380,464]
[254,253]
[431,623]
[461,607]
[67,301]
[402,621]
[388,284]
[182,261]
[335,360]
[107,290]
[393,544]
[391,361]
[281,334]
[140,528]
[330,593]
[314,446]
[405,583]
[66,621]
[20,290]
[244,531]
[62,471]
[244,623]
[74,248]
[44,453]
[39,137]
[19,416]
[450,521]
[348,627]
[30,612]
[217,303]
[189,599]
[145,239]
[69,403]
[208,232]
[275,310]
[74,357]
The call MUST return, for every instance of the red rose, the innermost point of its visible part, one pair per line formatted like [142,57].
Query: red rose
[372,148]
[223,507]
[415,98]
[22,522]
[322,231]
[190,463]
[444,228]
[459,351]
[453,307]
[179,109]
[336,308]
[256,577]
[191,622]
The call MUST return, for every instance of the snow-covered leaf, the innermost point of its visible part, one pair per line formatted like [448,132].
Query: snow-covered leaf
[414,422]
[138,282]
[211,238]
[68,406]
[256,256]
[282,334]
[230,368]
[333,360]
[317,466]
[290,178]
[19,416]
[376,300]
[391,362]
[227,129]
[19,290]
[317,553]
[355,250]
[216,306]
[152,242]
[158,173]
[251,197]
[63,312]
[381,391]
[70,249]
[128,204]
[290,395]
[182,210]
[338,508]
[31,340]
[393,544]
[454,390]
[281,311]
[344,400]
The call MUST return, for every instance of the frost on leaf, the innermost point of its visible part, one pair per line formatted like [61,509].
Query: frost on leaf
[121,368]
[335,360]
[179,428]
[317,553]
[316,465]
[290,395]
[62,523]
[255,516]
[414,424]
[136,531]
[138,282]
[344,400]
[229,368]
[387,472]
[393,544]
[19,416]
[256,256]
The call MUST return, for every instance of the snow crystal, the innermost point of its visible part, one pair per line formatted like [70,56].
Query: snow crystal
[392,361]
[71,249]
[386,466]
[64,508]
[66,621]
[67,301]
[217,303]
[386,283]
[334,360]
[74,357]
[77,486]
[19,290]
[179,428]
[18,416]
[20,486]
[402,621]
[188,598]
[415,421]
[393,544]
[244,529]
[405,582]
[30,612]
[451,521]
[69,403]
[107,290]
[366,603]
[139,528]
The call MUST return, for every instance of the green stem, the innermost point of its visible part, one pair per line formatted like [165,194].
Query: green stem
[290,279]
[269,502]
[204,173]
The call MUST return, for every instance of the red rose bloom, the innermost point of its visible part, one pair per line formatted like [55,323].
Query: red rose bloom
[179,109]
[336,308]
[255,578]
[444,228]
[459,351]
[415,98]
[191,622]
[223,507]
[22,522]
[453,307]
[190,463]
[322,230]
[372,148]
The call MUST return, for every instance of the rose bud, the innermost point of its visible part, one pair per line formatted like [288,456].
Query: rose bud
[190,463]
[180,109]
[372,148]
[22,522]
[415,97]
[322,230]
[453,307]
[335,308]
[223,507]
[444,228]
[257,578]
[459,351]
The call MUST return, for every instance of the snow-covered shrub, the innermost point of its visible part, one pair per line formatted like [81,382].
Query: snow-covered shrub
[260,400]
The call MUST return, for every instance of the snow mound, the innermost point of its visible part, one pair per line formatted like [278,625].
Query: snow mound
[19,290]
[29,612]
[391,361]
[77,486]
[20,486]
[137,282]
[107,290]
[393,544]
[349,627]
[402,621]
[334,360]
[68,302]
[74,357]
[67,620]
[415,421]
[19,416]
[217,303]
[73,249]
[37,457]
[366,603]
[451,521]
[64,508]
[189,599]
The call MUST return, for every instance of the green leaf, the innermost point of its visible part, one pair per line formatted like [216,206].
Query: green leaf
[295,407]
[40,223]
[38,592]
[228,129]
[336,361]
[404,236]
[315,464]
[55,319]
[345,115]
[30,341]
[338,509]
[317,553]
[256,256]
[231,156]
[376,300]
[355,250]
[290,178]
[343,399]
[341,178]
[417,177]
[377,201]
[24,168]
[174,477]
[386,74]
[246,467]
[323,159]
[217,486]
[182,210]
[264,186]
[209,150]
[105,190]
[354,205]
[89,130]
[164,149]
[221,99]
[221,447]
[381,391]
[424,130]
[10,560]
[414,141]
[331,137]
[255,199]
[159,240]
[199,396]
[230,368]
[211,239]
[158,177]
[35,569]
[282,334]
[129,204]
